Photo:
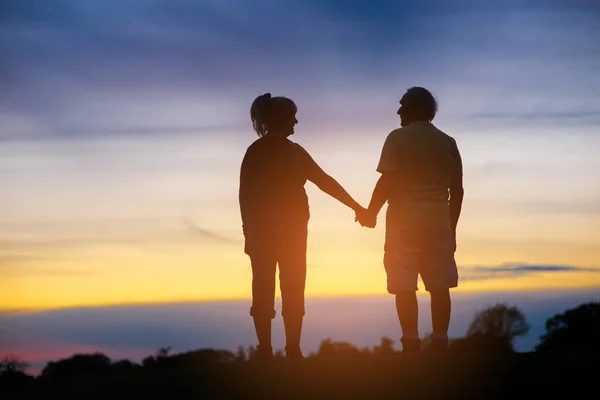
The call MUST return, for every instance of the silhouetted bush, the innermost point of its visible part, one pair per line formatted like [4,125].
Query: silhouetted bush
[575,331]
[329,348]
[385,348]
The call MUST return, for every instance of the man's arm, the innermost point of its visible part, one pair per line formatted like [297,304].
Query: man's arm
[456,188]
[388,167]
[456,199]
[381,194]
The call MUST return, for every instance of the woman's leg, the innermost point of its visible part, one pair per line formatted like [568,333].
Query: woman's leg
[263,299]
[292,280]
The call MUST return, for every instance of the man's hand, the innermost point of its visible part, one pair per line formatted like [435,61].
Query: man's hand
[366,218]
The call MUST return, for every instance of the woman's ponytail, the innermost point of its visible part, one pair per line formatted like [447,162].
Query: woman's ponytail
[259,113]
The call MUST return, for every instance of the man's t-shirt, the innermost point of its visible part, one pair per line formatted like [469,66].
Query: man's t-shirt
[425,162]
[272,196]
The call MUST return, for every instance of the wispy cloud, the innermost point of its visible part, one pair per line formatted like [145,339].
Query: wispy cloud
[207,233]
[508,270]
[35,249]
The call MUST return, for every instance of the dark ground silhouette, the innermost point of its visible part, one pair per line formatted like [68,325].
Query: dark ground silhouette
[521,375]
[483,364]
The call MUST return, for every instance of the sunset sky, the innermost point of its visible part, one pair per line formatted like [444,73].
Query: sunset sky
[123,125]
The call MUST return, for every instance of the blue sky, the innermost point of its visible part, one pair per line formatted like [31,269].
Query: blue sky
[123,124]
[526,62]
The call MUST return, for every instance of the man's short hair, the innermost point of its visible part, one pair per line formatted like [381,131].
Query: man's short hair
[420,102]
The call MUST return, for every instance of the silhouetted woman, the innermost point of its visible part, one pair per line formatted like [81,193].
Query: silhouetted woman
[275,214]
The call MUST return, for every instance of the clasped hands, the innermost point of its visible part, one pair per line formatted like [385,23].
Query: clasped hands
[366,217]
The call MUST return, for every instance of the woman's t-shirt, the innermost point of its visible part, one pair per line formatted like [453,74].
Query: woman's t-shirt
[272,195]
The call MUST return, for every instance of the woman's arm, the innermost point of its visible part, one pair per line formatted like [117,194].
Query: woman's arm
[245,192]
[327,184]
[330,186]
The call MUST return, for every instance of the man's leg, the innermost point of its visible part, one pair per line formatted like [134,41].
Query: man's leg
[263,301]
[402,270]
[292,280]
[439,275]
[408,316]
[441,308]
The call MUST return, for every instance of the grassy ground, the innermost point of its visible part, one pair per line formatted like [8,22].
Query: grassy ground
[455,376]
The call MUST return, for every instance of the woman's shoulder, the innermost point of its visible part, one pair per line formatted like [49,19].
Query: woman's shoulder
[294,144]
[257,144]
[271,143]
[297,147]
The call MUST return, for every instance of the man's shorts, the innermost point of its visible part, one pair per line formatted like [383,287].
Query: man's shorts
[428,252]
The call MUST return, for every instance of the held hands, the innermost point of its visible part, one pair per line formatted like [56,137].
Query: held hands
[365,217]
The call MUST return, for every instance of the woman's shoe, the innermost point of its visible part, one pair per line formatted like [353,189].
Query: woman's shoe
[293,353]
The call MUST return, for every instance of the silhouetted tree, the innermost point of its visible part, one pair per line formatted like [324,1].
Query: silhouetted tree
[12,363]
[577,330]
[12,372]
[500,321]
[163,352]
[76,365]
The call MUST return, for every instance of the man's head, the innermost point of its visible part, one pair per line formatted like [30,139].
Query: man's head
[417,104]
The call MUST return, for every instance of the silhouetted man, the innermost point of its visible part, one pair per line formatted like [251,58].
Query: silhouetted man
[421,179]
